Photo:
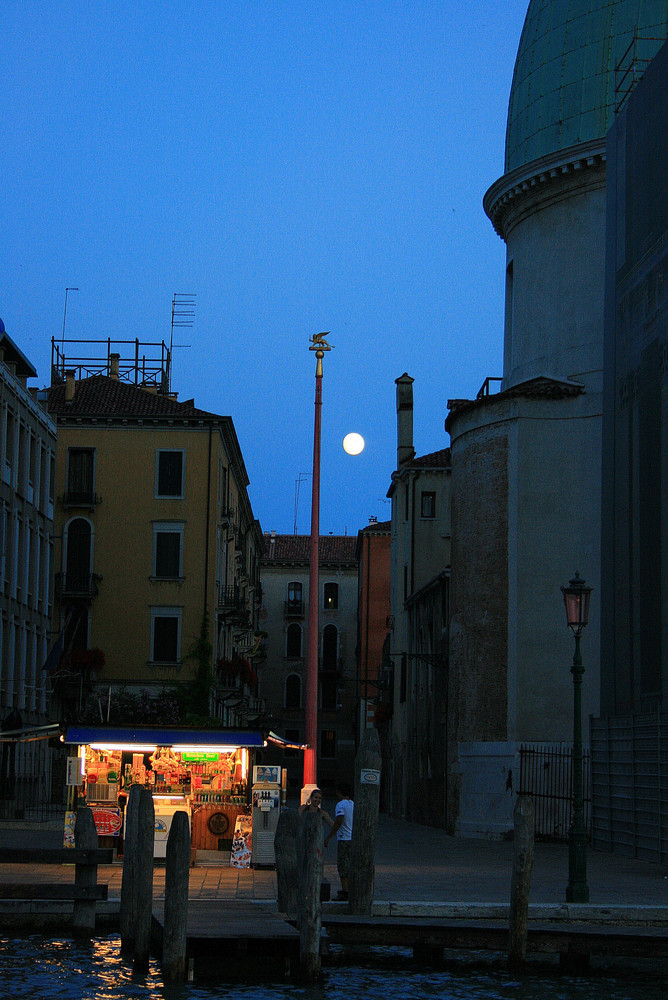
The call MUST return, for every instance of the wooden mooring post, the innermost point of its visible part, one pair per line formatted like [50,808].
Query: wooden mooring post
[365,824]
[285,849]
[177,874]
[310,857]
[143,905]
[523,817]
[128,877]
[85,836]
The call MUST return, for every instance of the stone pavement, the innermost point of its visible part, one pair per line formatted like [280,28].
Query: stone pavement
[418,868]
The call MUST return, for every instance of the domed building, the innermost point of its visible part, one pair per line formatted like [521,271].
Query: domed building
[526,461]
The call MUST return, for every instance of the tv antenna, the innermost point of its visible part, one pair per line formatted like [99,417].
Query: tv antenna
[183,316]
[69,289]
[302,477]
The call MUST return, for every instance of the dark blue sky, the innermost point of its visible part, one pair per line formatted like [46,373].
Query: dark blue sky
[299,166]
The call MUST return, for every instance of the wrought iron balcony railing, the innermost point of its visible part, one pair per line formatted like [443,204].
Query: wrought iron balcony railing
[71,584]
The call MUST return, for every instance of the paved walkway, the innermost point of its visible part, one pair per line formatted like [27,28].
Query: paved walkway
[414,865]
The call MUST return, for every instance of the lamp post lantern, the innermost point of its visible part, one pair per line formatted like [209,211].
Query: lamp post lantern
[576,601]
[319,345]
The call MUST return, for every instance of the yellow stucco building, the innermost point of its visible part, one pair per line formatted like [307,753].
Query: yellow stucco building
[155,536]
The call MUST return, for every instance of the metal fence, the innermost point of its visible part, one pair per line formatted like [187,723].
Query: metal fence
[546,774]
[32,780]
[630,785]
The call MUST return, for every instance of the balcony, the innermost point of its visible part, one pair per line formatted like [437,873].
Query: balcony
[233,607]
[79,585]
[81,498]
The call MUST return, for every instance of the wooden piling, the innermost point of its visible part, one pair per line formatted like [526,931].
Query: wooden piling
[285,849]
[85,836]
[365,824]
[129,874]
[177,874]
[523,816]
[310,858]
[143,905]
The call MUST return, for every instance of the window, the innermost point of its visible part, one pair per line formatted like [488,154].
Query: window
[294,596]
[169,474]
[168,551]
[329,647]
[293,692]
[293,642]
[78,560]
[327,743]
[80,475]
[331,594]
[428,505]
[402,679]
[33,452]
[165,635]
[9,448]
[328,693]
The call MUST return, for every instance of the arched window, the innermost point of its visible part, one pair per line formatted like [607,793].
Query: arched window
[78,556]
[331,596]
[329,647]
[294,596]
[293,642]
[293,691]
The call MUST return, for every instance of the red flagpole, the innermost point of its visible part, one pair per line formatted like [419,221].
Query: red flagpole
[319,345]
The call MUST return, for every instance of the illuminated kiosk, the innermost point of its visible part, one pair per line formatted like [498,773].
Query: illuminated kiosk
[204,773]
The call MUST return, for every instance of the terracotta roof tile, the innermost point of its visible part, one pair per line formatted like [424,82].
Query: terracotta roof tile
[102,396]
[380,526]
[295,549]
[435,460]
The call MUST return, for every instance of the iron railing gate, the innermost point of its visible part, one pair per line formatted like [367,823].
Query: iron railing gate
[32,780]
[630,785]
[546,774]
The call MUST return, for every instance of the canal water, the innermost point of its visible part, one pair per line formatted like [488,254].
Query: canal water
[53,968]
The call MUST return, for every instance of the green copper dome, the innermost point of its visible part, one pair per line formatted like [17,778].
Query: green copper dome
[563,90]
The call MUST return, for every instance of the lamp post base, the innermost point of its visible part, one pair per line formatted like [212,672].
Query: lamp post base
[577,893]
[577,890]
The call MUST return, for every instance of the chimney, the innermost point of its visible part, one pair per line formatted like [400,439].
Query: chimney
[114,364]
[69,386]
[405,450]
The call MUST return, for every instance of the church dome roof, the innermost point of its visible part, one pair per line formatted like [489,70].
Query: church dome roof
[563,90]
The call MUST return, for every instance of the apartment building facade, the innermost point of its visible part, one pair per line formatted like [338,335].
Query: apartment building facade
[27,463]
[285,589]
[157,554]
[414,741]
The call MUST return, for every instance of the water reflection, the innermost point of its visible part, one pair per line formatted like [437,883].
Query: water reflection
[42,968]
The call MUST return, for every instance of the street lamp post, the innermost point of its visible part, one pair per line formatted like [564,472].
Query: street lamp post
[319,345]
[576,600]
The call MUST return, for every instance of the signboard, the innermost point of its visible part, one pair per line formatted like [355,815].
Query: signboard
[240,855]
[108,820]
[267,772]
[68,833]
[74,771]
[369,776]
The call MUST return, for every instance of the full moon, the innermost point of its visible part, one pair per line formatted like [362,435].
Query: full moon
[353,443]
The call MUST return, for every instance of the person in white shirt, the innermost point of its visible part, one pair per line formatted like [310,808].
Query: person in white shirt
[343,828]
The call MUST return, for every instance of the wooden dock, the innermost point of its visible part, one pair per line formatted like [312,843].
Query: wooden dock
[232,939]
[432,935]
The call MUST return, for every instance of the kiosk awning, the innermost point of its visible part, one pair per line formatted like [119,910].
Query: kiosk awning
[180,739]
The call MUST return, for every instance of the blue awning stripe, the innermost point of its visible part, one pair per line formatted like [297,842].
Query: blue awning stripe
[161,736]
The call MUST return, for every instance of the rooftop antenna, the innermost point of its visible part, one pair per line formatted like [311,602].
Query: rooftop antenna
[183,315]
[303,476]
[65,315]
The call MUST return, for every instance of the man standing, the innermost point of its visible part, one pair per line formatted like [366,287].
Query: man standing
[343,828]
